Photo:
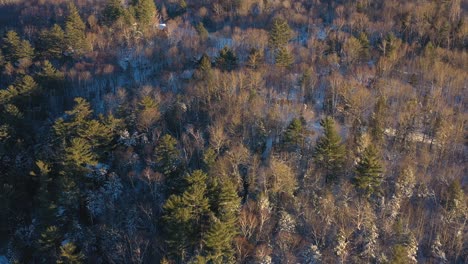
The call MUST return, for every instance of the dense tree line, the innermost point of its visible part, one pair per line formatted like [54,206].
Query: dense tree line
[233,131]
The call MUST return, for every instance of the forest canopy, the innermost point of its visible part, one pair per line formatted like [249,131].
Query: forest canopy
[233,131]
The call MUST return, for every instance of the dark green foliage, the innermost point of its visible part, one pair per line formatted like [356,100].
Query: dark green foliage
[49,240]
[369,172]
[79,153]
[15,49]
[377,121]
[184,216]
[112,12]
[218,241]
[209,158]
[52,42]
[280,34]
[50,78]
[84,139]
[295,134]
[329,151]
[70,255]
[365,45]
[145,11]
[202,32]
[204,64]
[21,95]
[219,238]
[255,58]
[283,57]
[75,37]
[306,83]
[455,196]
[226,59]
[167,154]
[26,86]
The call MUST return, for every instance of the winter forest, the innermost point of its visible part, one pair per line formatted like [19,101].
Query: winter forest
[233,131]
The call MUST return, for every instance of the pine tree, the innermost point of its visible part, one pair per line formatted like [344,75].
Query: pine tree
[75,37]
[49,77]
[218,241]
[184,216]
[52,42]
[11,42]
[369,172]
[80,153]
[306,84]
[201,30]
[226,59]
[295,133]
[70,255]
[219,238]
[329,151]
[145,11]
[365,45]
[26,86]
[167,154]
[49,240]
[456,197]
[255,58]
[16,49]
[283,57]
[112,11]
[280,34]
[204,70]
[377,121]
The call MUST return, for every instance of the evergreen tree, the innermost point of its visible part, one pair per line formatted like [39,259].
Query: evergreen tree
[295,133]
[283,57]
[79,117]
[306,83]
[280,34]
[49,77]
[204,69]
[80,153]
[219,238]
[365,45]
[145,11]
[255,58]
[369,172]
[226,59]
[49,240]
[168,162]
[167,154]
[329,151]
[11,42]
[377,121]
[75,37]
[456,197]
[185,214]
[26,86]
[112,11]
[47,208]
[202,32]
[70,255]
[52,42]
[218,241]
[16,49]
